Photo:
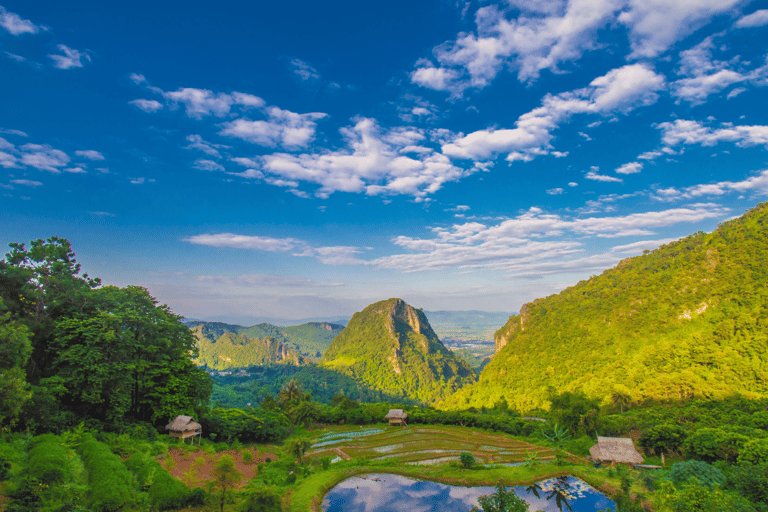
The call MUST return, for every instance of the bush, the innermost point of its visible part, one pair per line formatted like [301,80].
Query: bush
[711,444]
[247,456]
[752,483]
[467,460]
[706,474]
[47,460]
[111,484]
[662,438]
[165,492]
[260,498]
[754,453]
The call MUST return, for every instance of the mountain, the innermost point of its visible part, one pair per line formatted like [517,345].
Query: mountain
[231,350]
[309,339]
[391,347]
[689,319]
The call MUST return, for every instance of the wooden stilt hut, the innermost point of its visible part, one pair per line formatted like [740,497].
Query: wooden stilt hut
[615,449]
[396,417]
[184,427]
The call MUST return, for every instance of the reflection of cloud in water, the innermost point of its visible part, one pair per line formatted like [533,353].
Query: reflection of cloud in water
[394,493]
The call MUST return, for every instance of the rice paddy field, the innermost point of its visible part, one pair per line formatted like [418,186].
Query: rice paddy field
[422,445]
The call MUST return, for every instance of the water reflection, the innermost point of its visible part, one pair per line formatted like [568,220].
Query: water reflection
[394,493]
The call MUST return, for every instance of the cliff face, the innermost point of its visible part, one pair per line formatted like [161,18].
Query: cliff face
[391,346]
[515,324]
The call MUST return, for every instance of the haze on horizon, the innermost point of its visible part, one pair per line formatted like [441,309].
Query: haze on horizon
[265,161]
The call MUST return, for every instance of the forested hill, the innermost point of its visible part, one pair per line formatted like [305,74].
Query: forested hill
[232,350]
[391,347]
[688,319]
[310,339]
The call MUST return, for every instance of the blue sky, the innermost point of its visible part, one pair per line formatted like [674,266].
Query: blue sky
[307,159]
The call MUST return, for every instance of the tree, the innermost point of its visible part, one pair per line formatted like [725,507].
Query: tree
[291,393]
[15,348]
[467,460]
[557,436]
[260,498]
[663,438]
[502,501]
[225,477]
[300,447]
[621,399]
[574,411]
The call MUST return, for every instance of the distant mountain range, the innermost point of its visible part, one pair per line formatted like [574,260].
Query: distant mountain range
[686,320]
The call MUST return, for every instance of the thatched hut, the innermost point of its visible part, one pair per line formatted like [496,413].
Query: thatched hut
[396,417]
[615,449]
[183,427]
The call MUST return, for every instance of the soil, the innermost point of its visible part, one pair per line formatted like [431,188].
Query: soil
[195,468]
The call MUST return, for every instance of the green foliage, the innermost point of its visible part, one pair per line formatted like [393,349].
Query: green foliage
[108,354]
[260,498]
[165,492]
[299,447]
[686,320]
[698,498]
[705,474]
[752,483]
[239,351]
[502,501]
[15,349]
[754,453]
[390,346]
[245,425]
[575,412]
[710,444]
[111,484]
[665,438]
[467,460]
[225,477]
[47,459]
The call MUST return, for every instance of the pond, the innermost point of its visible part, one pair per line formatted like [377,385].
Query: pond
[393,493]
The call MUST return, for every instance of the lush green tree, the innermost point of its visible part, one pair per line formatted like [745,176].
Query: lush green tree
[15,349]
[754,453]
[710,444]
[260,498]
[575,412]
[663,438]
[225,478]
[467,460]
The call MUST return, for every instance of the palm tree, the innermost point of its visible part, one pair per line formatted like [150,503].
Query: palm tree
[621,399]
[290,392]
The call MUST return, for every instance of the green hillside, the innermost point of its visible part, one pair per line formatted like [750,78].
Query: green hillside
[391,347]
[232,350]
[686,320]
[312,339]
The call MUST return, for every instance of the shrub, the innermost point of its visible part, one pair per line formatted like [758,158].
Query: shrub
[260,498]
[710,444]
[467,460]
[165,492]
[706,474]
[247,457]
[662,438]
[752,483]
[47,459]
[754,453]
[111,484]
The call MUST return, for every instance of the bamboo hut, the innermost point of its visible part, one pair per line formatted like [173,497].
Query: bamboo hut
[615,449]
[396,417]
[183,427]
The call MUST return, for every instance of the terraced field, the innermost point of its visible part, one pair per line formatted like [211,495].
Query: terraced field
[429,444]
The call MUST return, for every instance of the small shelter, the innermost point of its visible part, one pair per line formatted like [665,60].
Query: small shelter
[396,417]
[183,427]
[615,449]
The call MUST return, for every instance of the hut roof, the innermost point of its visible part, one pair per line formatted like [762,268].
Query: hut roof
[616,449]
[182,424]
[396,414]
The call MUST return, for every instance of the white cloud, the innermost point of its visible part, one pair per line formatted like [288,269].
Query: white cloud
[27,183]
[756,19]
[137,181]
[649,155]
[209,148]
[208,165]
[90,154]
[261,243]
[371,163]
[75,170]
[655,25]
[13,132]
[71,58]
[555,191]
[103,214]
[630,168]
[283,128]
[620,90]
[648,245]
[201,102]
[43,157]
[573,184]
[757,184]
[8,161]
[594,176]
[304,71]
[148,106]
[16,25]
[693,132]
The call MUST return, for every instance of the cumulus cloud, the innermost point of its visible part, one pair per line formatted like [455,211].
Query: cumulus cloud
[71,58]
[630,168]
[16,25]
[620,90]
[371,163]
[90,154]
[683,131]
[757,184]
[283,128]
[148,106]
[304,70]
[8,160]
[208,165]
[555,191]
[43,157]
[645,245]
[261,243]
[756,19]
[595,176]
